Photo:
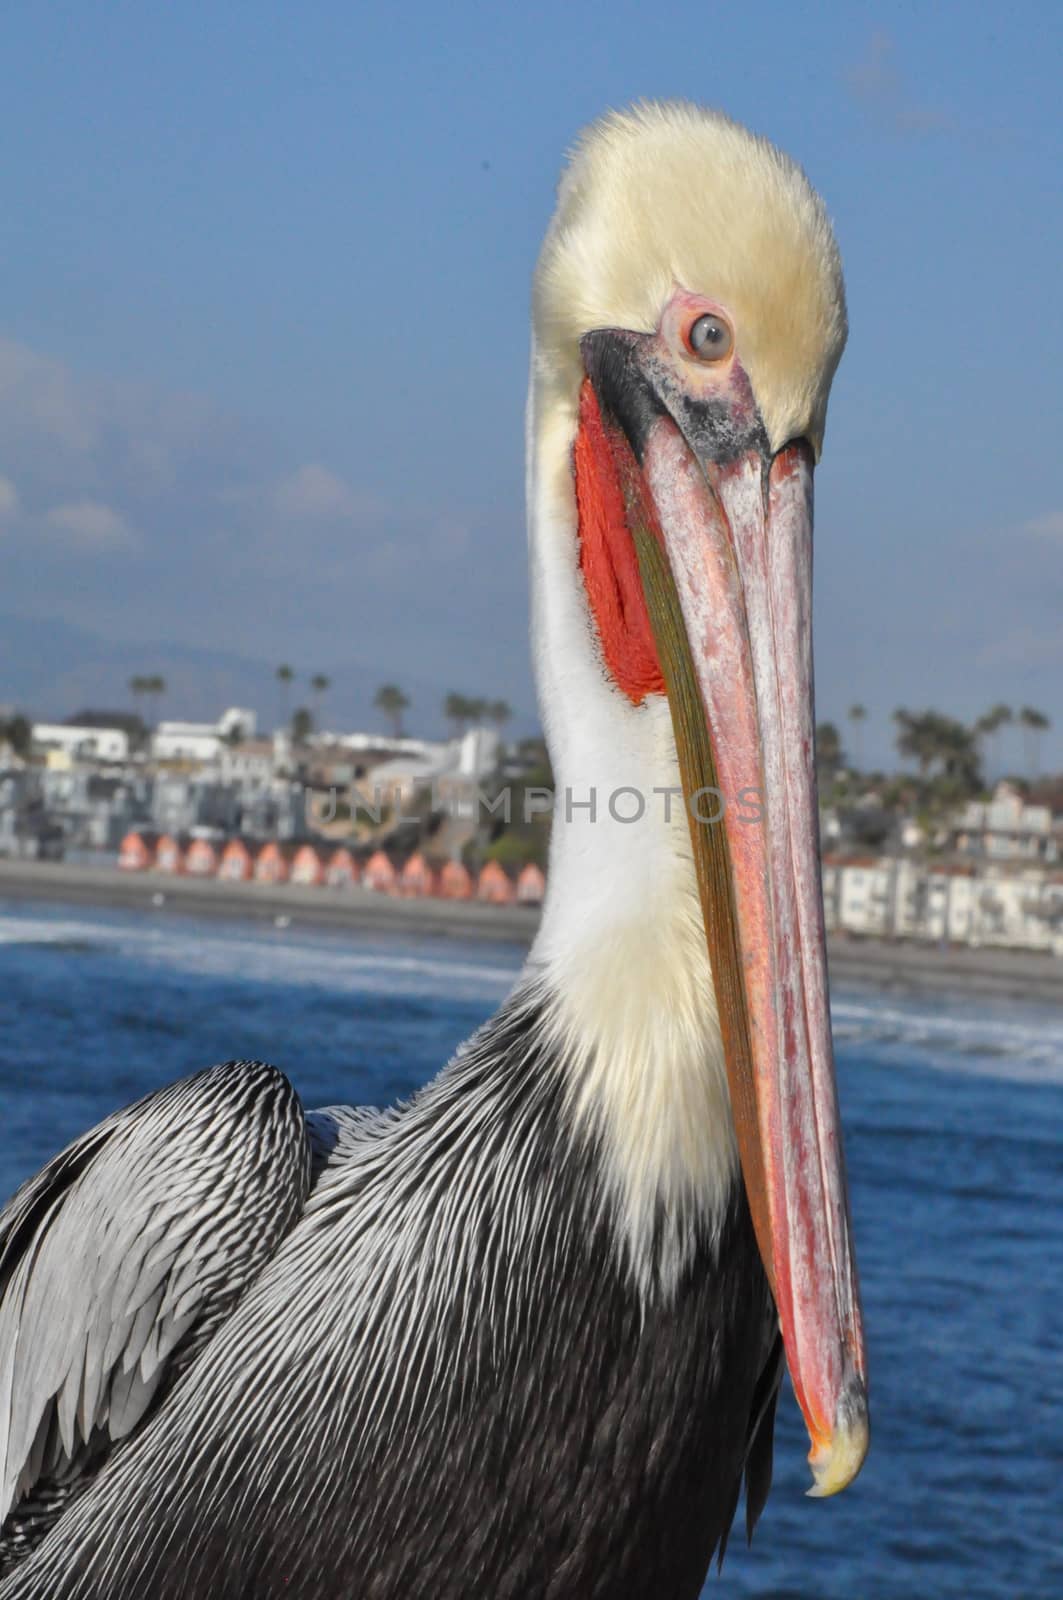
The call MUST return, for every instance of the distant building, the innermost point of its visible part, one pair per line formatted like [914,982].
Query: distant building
[450,774]
[393,784]
[91,736]
[252,763]
[27,831]
[95,806]
[1006,828]
[181,802]
[953,901]
[858,893]
[375,745]
[203,741]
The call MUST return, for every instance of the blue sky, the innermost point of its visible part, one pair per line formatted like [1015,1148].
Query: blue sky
[263,331]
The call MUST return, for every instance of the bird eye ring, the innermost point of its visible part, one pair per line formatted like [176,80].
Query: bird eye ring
[709,338]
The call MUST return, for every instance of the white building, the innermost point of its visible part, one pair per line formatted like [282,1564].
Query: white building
[251,763]
[1006,828]
[859,894]
[451,771]
[956,902]
[377,743]
[202,741]
[81,742]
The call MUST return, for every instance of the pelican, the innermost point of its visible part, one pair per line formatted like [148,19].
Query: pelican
[522,1336]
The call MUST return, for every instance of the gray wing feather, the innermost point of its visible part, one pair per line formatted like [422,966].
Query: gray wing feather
[124,1254]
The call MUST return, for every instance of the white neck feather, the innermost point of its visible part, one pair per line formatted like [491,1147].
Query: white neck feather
[621,944]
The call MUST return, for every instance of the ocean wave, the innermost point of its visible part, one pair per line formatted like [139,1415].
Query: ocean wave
[966,1034]
[1006,1039]
[38,934]
[274,955]
[326,963]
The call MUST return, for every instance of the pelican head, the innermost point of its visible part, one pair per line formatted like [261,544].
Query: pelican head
[689,314]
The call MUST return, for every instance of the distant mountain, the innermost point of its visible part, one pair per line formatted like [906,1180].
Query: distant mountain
[50,668]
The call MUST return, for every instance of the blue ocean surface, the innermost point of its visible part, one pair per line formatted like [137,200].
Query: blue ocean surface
[953,1111]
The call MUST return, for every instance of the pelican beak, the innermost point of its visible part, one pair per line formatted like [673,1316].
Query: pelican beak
[722,528]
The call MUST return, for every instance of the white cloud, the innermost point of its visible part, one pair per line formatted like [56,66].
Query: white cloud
[92,525]
[877,85]
[228,526]
[72,436]
[44,396]
[313,491]
[8,498]
[1049,526]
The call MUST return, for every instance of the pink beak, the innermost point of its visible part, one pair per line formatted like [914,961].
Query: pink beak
[738,540]
[722,530]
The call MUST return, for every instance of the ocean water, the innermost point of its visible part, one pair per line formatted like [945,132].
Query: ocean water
[954,1120]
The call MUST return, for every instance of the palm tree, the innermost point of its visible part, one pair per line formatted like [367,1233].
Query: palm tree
[984,731]
[829,753]
[456,709]
[858,716]
[1033,724]
[302,725]
[284,676]
[500,712]
[155,686]
[149,686]
[936,741]
[478,708]
[17,731]
[990,724]
[320,685]
[917,738]
[958,757]
[392,702]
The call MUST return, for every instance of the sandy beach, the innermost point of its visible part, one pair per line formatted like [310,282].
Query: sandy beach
[879,964]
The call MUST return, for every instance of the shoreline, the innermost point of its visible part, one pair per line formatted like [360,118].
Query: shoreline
[875,963]
[306,906]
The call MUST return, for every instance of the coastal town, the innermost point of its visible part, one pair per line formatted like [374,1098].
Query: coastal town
[935,855]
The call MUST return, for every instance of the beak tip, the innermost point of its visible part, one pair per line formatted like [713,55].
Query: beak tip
[836,1461]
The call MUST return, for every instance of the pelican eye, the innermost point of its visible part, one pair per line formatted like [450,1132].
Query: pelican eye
[710,338]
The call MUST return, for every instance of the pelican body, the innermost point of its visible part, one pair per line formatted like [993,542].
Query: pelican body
[522,1336]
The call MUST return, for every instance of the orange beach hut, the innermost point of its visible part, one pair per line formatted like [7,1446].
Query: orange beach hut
[455,882]
[531,885]
[202,858]
[417,878]
[342,869]
[379,874]
[494,885]
[169,855]
[237,863]
[307,865]
[272,864]
[137,850]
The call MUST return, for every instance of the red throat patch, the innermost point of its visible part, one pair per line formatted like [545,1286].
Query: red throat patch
[608,559]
